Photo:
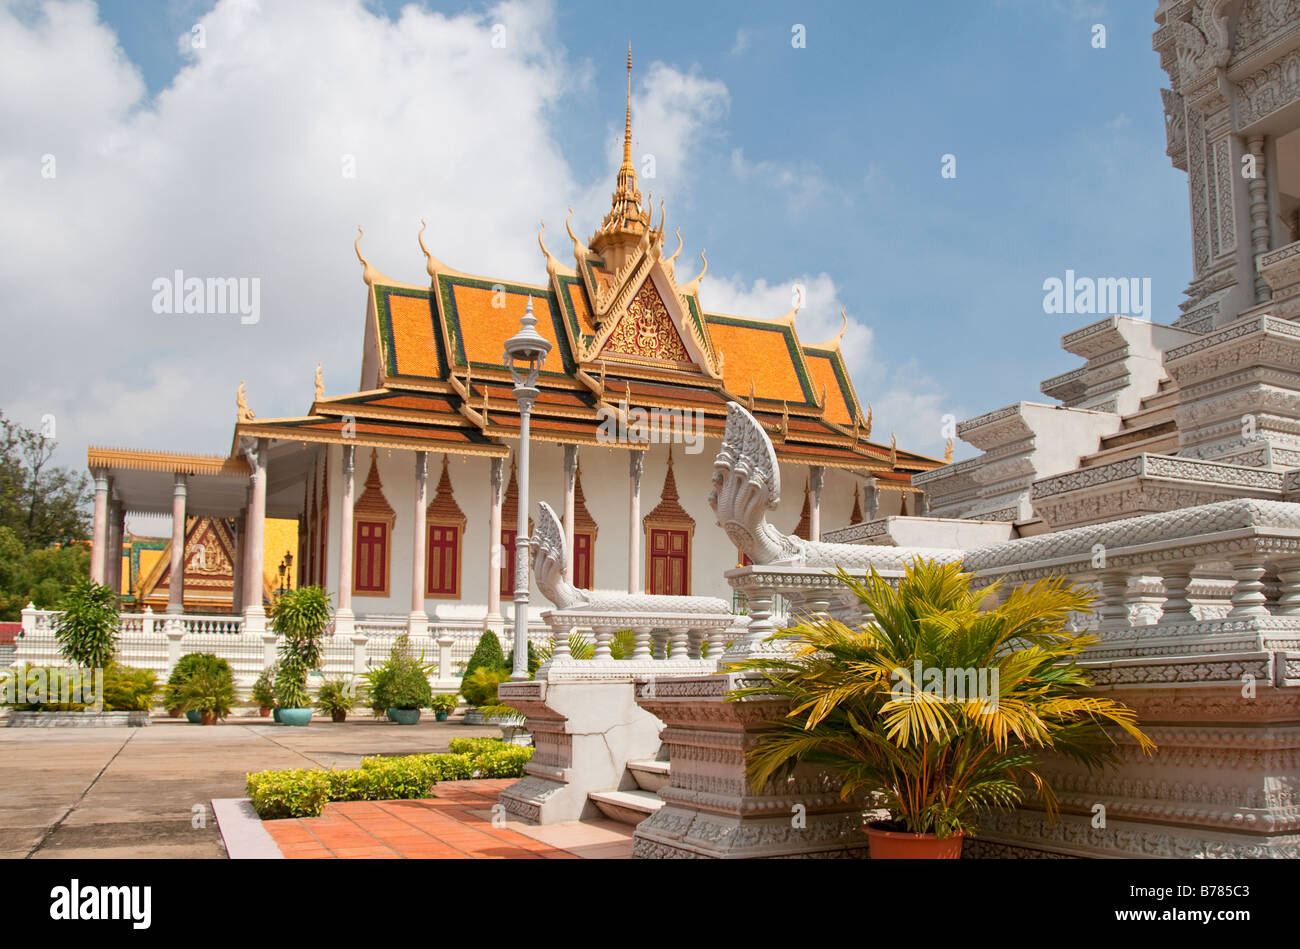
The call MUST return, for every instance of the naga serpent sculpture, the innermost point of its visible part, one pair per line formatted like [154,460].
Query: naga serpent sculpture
[747,483]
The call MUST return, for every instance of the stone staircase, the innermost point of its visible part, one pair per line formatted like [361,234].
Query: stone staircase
[1150,429]
[639,797]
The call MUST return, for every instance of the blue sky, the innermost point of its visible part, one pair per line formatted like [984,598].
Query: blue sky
[818,164]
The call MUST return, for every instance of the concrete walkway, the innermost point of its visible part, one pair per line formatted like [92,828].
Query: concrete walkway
[147,792]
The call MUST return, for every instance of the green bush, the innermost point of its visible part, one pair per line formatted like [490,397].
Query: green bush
[185,669]
[263,692]
[129,690]
[473,746]
[290,689]
[505,762]
[305,792]
[444,703]
[210,688]
[481,687]
[487,654]
[302,792]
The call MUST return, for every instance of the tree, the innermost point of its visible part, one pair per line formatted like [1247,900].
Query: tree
[41,577]
[487,654]
[41,503]
[87,630]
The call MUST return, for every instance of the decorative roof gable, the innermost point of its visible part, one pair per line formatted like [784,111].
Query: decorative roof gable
[443,509]
[372,502]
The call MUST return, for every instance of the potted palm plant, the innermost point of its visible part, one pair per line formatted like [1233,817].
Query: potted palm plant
[889,706]
[209,691]
[336,698]
[291,696]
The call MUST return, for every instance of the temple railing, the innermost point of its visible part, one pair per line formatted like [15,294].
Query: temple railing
[1218,580]
[156,641]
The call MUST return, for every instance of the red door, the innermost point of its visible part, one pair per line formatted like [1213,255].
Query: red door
[670,566]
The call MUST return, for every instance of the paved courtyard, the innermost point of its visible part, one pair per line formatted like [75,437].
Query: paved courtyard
[146,792]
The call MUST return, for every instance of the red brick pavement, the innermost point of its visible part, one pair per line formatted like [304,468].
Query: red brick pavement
[451,826]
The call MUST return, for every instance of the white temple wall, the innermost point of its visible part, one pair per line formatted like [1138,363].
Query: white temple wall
[605,489]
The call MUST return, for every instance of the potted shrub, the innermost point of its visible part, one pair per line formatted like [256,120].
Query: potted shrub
[300,618]
[291,697]
[409,692]
[934,755]
[210,691]
[186,668]
[336,698]
[511,721]
[263,692]
[443,705]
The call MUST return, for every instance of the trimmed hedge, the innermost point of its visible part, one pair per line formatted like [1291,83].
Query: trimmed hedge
[304,792]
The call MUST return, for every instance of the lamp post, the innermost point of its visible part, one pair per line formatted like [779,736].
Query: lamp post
[525,353]
[286,563]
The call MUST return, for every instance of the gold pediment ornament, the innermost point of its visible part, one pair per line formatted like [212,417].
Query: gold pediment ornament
[646,330]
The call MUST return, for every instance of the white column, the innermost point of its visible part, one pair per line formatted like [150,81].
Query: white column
[816,480]
[418,623]
[241,557]
[494,620]
[343,618]
[254,613]
[872,495]
[116,530]
[176,581]
[99,540]
[570,474]
[635,468]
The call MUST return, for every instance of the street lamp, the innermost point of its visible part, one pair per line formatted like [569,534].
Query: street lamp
[525,353]
[286,564]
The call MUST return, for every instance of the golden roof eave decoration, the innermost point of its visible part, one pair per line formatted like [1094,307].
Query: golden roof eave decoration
[832,344]
[320,382]
[553,265]
[243,412]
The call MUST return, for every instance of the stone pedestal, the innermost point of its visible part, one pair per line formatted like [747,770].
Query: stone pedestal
[709,808]
[585,732]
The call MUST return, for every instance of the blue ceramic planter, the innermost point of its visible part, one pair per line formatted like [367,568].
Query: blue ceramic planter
[388,712]
[194,716]
[275,715]
[405,716]
[295,716]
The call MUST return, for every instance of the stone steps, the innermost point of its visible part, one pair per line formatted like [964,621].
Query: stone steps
[626,807]
[650,775]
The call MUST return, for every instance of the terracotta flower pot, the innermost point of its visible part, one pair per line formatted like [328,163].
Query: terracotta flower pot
[208,718]
[339,715]
[264,712]
[889,844]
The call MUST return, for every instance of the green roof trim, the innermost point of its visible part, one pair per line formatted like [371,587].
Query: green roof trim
[841,378]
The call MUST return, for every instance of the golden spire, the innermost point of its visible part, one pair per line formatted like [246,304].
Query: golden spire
[626,217]
[245,414]
[947,451]
[320,383]
[627,127]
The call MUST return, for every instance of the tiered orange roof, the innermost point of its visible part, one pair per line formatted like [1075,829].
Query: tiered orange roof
[624,333]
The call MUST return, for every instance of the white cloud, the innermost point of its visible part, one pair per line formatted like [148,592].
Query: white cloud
[235,169]
[742,42]
[802,184]
[904,400]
